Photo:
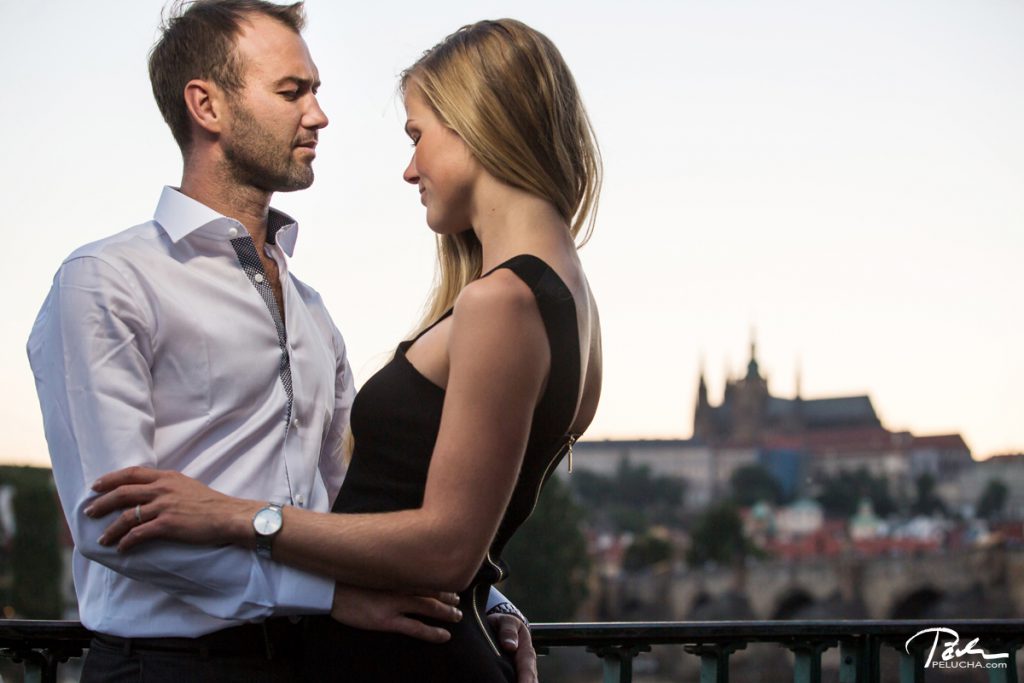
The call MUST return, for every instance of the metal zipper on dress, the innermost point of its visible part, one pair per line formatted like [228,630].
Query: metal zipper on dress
[480,622]
[501,572]
[547,471]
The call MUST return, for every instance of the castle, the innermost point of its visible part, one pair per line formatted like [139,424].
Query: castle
[749,413]
[799,440]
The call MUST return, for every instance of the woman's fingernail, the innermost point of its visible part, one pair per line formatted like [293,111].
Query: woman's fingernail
[458,614]
[102,540]
[89,511]
[511,642]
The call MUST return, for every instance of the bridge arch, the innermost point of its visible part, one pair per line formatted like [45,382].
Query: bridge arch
[791,603]
[917,604]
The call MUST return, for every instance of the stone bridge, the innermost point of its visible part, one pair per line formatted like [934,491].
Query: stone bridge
[986,583]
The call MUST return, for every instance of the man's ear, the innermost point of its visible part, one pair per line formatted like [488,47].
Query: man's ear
[206,105]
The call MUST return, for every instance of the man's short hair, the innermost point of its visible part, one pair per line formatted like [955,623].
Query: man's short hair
[198,40]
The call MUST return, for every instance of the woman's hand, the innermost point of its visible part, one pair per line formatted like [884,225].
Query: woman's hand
[169,505]
[375,610]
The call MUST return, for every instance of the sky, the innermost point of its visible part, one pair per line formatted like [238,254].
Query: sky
[842,180]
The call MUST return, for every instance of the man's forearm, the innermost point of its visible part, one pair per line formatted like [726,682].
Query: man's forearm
[225,582]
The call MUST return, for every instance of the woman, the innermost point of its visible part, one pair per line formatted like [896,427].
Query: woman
[457,433]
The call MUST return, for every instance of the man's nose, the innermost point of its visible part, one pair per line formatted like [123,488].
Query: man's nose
[315,117]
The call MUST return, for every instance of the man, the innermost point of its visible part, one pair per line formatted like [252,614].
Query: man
[184,343]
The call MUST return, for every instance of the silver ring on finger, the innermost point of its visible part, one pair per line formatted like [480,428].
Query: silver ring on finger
[138,513]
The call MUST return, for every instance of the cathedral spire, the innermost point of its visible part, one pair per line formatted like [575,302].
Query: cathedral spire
[702,413]
[702,386]
[753,372]
[799,379]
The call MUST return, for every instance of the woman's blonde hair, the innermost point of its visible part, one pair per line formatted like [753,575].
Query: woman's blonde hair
[506,91]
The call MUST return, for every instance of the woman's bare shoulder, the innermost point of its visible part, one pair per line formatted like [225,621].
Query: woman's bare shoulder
[497,317]
[500,294]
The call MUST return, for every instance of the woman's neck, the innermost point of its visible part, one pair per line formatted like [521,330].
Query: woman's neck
[509,222]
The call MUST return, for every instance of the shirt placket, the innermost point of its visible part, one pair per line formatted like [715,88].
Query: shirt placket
[249,260]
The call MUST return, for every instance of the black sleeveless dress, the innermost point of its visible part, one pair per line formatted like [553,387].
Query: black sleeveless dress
[395,421]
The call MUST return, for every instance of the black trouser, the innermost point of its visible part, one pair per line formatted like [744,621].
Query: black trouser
[253,653]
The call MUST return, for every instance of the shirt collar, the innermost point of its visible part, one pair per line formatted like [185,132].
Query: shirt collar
[180,215]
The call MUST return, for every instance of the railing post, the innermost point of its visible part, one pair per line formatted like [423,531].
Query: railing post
[912,663]
[37,671]
[40,665]
[1009,674]
[618,661]
[807,666]
[714,659]
[858,660]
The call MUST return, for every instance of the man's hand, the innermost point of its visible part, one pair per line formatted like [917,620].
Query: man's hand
[514,636]
[169,505]
[375,610]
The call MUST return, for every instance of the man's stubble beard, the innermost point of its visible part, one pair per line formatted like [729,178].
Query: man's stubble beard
[255,158]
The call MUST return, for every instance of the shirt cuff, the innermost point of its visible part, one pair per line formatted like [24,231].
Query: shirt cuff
[301,593]
[499,604]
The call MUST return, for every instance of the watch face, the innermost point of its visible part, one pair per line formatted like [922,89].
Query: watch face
[267,521]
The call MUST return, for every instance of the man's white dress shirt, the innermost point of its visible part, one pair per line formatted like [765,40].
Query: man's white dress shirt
[159,347]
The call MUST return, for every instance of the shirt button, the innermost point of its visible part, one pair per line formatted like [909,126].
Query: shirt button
[295,422]
[232,232]
[258,277]
[300,500]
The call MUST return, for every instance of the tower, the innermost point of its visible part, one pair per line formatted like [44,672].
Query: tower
[751,399]
[703,414]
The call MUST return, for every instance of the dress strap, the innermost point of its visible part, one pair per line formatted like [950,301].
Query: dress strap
[409,342]
[558,312]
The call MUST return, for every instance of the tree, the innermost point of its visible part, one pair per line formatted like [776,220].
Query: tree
[547,558]
[645,551]
[992,501]
[718,536]
[35,564]
[752,484]
[841,494]
[927,501]
[632,499]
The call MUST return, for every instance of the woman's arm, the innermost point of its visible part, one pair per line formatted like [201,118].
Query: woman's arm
[499,359]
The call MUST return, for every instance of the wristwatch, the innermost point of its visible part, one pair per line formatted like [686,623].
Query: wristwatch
[267,524]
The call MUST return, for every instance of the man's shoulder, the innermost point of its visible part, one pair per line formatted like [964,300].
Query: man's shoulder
[122,246]
[305,291]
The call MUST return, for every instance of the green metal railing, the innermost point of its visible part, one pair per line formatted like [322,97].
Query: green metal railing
[859,643]
[43,645]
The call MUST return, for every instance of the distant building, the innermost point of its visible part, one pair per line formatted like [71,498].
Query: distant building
[706,471]
[749,413]
[800,441]
[801,518]
[866,525]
